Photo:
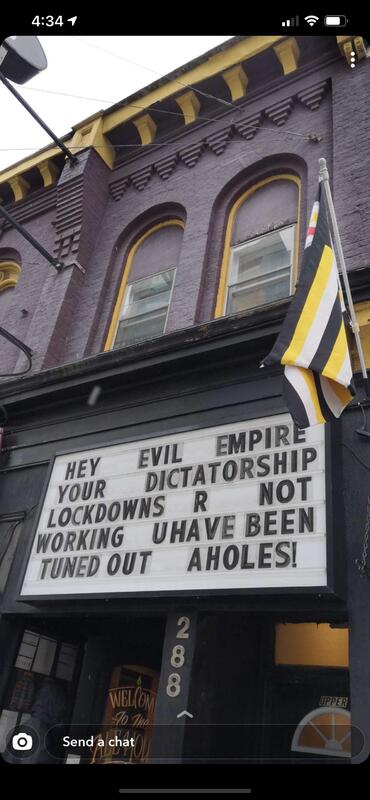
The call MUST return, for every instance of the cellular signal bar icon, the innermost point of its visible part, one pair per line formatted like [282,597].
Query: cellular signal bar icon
[290,23]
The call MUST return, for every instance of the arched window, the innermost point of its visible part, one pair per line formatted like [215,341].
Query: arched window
[143,300]
[259,263]
[325,732]
[10,271]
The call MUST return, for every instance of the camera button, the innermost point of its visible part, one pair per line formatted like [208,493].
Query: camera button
[22,743]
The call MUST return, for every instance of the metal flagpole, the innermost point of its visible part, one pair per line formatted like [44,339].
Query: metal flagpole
[324,176]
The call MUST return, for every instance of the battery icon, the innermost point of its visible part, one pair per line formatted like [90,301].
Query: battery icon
[337,21]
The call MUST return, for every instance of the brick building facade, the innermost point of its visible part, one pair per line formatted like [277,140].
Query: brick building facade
[222,155]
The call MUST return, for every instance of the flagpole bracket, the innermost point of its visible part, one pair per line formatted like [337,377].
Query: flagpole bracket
[364,430]
[323,171]
[355,326]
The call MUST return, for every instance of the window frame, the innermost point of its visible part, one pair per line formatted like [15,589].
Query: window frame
[10,271]
[125,275]
[234,208]
[234,257]
[127,293]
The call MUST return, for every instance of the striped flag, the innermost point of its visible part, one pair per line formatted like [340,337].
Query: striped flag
[312,344]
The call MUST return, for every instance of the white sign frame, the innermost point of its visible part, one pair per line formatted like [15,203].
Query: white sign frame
[315,580]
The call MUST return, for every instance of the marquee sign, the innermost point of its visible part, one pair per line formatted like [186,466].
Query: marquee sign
[238,506]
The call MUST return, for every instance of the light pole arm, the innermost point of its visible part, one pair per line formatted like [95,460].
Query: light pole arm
[73,159]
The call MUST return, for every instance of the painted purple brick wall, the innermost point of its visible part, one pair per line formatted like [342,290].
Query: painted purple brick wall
[195,177]
[35,271]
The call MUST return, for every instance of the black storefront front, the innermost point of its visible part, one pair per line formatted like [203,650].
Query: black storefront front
[250,665]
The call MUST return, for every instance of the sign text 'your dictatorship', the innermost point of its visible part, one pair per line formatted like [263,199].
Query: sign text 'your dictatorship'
[230,507]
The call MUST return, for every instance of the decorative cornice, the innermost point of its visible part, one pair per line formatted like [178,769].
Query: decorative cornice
[91,134]
[166,166]
[288,54]
[226,59]
[49,172]
[218,142]
[249,127]
[312,98]
[118,188]
[190,105]
[190,155]
[141,177]
[19,187]
[246,128]
[237,81]
[146,128]
[348,42]
[279,112]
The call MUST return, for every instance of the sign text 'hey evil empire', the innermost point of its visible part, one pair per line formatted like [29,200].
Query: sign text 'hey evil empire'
[237,506]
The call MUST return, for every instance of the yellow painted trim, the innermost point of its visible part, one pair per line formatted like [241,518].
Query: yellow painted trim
[91,135]
[146,128]
[126,273]
[342,39]
[362,311]
[49,172]
[9,274]
[288,54]
[19,187]
[189,105]
[225,263]
[360,47]
[241,51]
[247,48]
[298,183]
[348,43]
[347,50]
[236,81]
[28,163]
[219,62]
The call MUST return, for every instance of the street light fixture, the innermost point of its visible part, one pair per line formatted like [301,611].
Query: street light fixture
[21,58]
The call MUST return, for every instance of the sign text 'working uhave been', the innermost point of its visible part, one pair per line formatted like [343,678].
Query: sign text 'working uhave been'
[237,506]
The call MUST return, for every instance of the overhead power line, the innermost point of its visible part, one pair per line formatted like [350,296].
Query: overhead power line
[112,102]
[274,133]
[160,74]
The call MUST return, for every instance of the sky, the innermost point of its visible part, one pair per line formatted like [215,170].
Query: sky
[100,70]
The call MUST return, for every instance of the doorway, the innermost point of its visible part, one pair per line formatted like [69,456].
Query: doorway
[118,687]
[307,694]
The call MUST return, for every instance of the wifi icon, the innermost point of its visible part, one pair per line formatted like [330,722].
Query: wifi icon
[311,19]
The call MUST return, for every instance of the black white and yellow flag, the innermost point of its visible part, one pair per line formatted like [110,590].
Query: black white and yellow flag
[312,343]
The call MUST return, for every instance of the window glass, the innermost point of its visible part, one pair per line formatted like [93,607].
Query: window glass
[309,644]
[144,311]
[260,270]
[43,669]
